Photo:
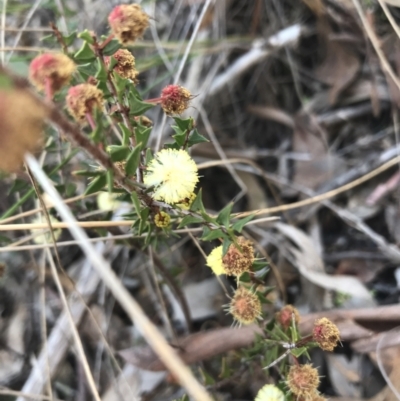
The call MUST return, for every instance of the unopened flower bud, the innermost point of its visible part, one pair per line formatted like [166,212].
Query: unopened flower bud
[238,261]
[245,306]
[82,100]
[51,71]
[284,316]
[162,219]
[326,334]
[303,380]
[128,22]
[144,121]
[125,66]
[21,127]
[175,99]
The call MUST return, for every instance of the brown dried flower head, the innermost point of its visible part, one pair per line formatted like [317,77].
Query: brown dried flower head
[303,380]
[162,219]
[128,22]
[51,71]
[125,66]
[326,334]
[237,261]
[21,127]
[245,306]
[313,397]
[175,99]
[83,99]
[284,316]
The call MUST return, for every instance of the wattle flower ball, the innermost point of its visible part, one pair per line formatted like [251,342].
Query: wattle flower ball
[270,393]
[173,174]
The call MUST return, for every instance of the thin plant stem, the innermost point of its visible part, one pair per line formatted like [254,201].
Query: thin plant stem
[305,202]
[91,121]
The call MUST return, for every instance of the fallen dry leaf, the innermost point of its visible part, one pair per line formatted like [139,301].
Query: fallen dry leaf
[392,391]
[310,265]
[310,138]
[341,63]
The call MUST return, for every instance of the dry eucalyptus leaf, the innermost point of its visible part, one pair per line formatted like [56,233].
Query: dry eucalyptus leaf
[310,265]
[344,374]
[341,63]
[392,378]
[310,138]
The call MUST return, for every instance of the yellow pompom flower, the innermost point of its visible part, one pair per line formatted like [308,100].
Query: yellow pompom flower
[214,260]
[173,174]
[270,393]
[107,201]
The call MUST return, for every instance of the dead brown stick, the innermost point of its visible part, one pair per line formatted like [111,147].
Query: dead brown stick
[200,346]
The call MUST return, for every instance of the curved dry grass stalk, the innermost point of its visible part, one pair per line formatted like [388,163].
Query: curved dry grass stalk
[132,308]
[309,201]
[38,209]
[100,224]
[75,334]
[6,391]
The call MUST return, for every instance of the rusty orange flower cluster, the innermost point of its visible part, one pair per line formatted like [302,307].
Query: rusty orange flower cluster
[125,66]
[284,316]
[326,334]
[128,22]
[50,72]
[175,99]
[303,381]
[82,100]
[245,306]
[239,259]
